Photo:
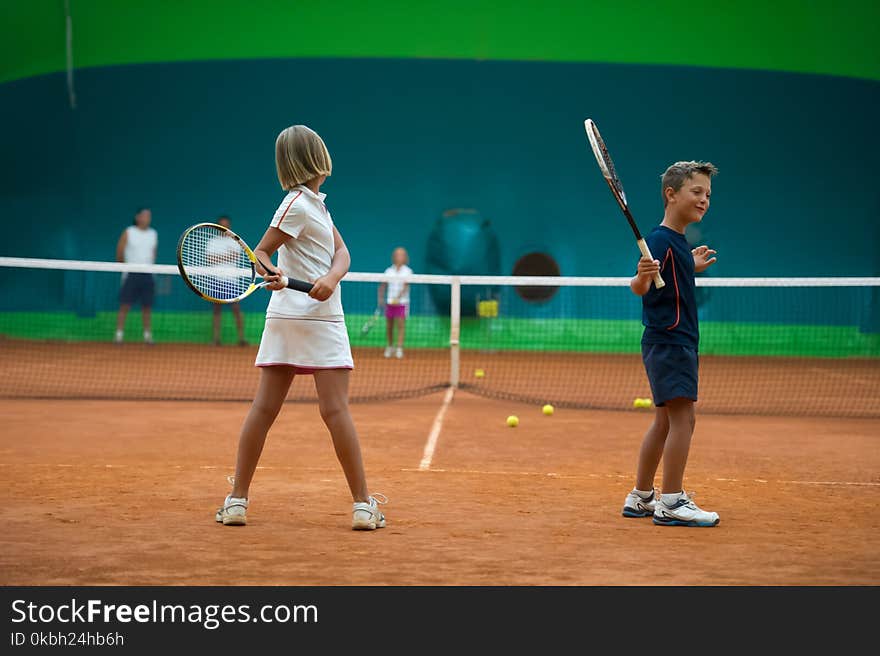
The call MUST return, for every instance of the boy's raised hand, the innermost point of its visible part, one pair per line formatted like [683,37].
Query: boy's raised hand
[703,258]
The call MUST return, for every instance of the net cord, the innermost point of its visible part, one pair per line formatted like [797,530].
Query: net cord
[427,279]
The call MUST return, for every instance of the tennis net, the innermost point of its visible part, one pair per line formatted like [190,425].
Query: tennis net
[806,346]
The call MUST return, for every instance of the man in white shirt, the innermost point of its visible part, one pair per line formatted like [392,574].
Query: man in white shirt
[137,245]
[225,249]
[394,295]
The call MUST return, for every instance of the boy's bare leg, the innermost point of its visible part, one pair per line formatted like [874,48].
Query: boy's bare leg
[652,450]
[678,444]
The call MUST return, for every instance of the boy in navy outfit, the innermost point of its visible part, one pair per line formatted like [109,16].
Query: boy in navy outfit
[670,347]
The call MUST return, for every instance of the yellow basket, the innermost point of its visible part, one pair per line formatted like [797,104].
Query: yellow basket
[487,309]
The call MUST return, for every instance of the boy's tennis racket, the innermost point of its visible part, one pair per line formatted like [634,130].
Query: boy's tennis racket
[368,325]
[218,266]
[607,168]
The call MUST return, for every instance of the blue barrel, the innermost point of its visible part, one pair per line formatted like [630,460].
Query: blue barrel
[462,242]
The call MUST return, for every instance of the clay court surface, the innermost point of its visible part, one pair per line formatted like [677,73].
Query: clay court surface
[124,492]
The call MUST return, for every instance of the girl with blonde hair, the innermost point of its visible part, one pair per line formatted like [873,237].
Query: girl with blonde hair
[303,334]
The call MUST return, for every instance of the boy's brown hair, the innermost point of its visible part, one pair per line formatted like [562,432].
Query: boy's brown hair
[676,174]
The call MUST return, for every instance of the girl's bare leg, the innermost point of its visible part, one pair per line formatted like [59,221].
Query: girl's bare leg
[272,390]
[401,330]
[389,331]
[332,387]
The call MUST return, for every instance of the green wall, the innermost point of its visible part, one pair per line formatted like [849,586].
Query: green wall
[833,38]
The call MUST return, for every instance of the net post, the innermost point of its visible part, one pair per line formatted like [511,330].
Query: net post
[454,331]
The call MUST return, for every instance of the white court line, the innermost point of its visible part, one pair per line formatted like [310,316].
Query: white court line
[434,435]
[576,476]
[483,472]
[830,483]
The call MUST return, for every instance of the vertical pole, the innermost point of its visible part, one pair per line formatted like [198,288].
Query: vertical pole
[454,331]
[68,47]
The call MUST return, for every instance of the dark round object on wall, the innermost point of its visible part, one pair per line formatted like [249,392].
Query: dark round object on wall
[536,264]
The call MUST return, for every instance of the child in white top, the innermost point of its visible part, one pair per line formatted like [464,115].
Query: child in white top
[394,295]
[304,334]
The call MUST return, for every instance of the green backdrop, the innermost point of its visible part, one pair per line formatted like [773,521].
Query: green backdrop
[835,38]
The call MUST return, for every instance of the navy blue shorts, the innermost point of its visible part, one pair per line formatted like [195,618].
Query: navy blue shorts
[672,371]
[137,288]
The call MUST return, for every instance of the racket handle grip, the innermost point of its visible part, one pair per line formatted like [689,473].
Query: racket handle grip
[298,285]
[643,247]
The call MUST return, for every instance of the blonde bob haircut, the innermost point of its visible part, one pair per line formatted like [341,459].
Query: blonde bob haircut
[300,156]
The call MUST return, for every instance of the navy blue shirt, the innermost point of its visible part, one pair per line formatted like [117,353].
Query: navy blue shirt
[670,314]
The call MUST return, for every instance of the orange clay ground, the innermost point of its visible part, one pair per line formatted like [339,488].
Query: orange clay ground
[124,493]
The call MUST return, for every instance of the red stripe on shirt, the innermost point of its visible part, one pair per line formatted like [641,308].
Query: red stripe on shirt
[671,257]
[286,209]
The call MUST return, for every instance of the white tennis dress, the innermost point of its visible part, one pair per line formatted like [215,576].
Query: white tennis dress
[301,331]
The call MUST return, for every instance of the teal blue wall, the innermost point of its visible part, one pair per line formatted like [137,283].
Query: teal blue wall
[412,138]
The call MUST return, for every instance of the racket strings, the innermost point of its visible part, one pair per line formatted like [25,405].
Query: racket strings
[609,165]
[216,264]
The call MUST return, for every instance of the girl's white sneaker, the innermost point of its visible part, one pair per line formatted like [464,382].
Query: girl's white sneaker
[366,516]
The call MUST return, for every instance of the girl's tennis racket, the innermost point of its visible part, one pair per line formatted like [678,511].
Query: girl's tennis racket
[218,266]
[607,168]
[369,323]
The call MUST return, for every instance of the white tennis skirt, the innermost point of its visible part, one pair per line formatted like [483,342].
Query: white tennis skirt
[307,344]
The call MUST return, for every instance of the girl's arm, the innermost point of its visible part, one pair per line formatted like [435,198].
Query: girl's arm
[120,246]
[641,282]
[324,286]
[272,240]
[381,295]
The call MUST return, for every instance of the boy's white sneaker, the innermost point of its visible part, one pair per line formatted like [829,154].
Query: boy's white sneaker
[638,506]
[388,351]
[683,512]
[366,516]
[399,354]
[233,512]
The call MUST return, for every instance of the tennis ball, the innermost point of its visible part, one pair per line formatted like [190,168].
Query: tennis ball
[513,421]
[547,409]
[479,373]
[637,403]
